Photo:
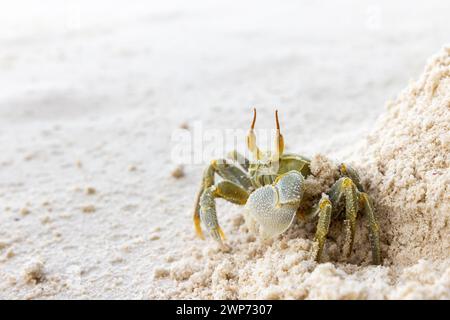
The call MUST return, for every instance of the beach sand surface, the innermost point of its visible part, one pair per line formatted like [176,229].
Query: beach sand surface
[94,95]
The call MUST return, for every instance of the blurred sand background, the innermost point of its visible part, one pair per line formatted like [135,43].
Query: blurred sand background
[92,92]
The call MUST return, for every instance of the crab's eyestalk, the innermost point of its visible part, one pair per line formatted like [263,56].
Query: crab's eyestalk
[279,140]
[251,138]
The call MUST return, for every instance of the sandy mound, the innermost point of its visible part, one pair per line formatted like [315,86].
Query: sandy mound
[407,161]
[405,164]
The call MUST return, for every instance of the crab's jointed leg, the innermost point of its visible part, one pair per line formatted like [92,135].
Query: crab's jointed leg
[345,187]
[227,190]
[205,207]
[239,158]
[323,210]
[348,171]
[372,225]
[207,181]
[231,192]
[367,207]
[354,201]
[229,171]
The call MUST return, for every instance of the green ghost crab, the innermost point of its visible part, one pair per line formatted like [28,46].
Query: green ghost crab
[272,187]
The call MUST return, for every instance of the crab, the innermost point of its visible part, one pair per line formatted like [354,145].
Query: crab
[272,188]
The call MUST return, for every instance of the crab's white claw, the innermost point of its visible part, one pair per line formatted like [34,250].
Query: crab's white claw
[273,207]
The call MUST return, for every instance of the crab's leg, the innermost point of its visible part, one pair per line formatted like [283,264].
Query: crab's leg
[372,225]
[239,158]
[207,181]
[323,209]
[229,171]
[196,218]
[208,214]
[233,192]
[345,187]
[348,171]
[226,190]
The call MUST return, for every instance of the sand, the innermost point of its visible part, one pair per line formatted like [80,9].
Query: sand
[93,205]
[407,160]
[405,163]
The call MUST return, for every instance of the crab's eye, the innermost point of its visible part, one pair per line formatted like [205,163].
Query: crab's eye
[251,138]
[251,141]
[279,140]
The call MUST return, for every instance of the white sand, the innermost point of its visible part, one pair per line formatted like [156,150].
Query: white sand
[89,206]
[407,163]
[407,160]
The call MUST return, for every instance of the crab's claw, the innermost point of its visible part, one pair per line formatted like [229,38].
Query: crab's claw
[273,207]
